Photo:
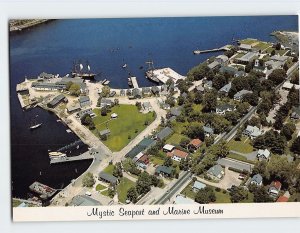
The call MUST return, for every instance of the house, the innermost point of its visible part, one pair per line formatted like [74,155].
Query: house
[208,85]
[284,198]
[84,112]
[57,100]
[222,59]
[263,154]
[147,106]
[184,95]
[214,65]
[216,172]
[164,171]
[168,148]
[165,106]
[208,131]
[104,132]
[274,188]
[199,88]
[73,108]
[279,58]
[295,113]
[142,146]
[177,155]
[136,93]
[106,103]
[45,75]
[232,71]
[83,200]
[164,133]
[155,90]
[222,109]
[122,92]
[252,131]
[245,47]
[108,178]
[225,89]
[144,159]
[197,186]
[239,95]
[194,144]
[84,101]
[146,90]
[287,85]
[175,111]
[256,180]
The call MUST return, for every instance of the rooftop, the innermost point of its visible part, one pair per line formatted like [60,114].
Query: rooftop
[82,200]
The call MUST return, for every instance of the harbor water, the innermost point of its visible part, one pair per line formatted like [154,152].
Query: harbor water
[106,44]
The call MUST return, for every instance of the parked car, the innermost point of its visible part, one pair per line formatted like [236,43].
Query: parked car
[242,176]
[112,94]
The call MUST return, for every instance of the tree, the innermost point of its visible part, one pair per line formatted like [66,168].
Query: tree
[260,194]
[74,89]
[209,141]
[88,121]
[273,52]
[198,97]
[105,91]
[168,162]
[238,194]
[99,101]
[296,146]
[243,108]
[221,149]
[288,130]
[143,184]
[171,101]
[195,130]
[68,85]
[279,168]
[277,76]
[180,100]
[104,111]
[117,172]
[116,102]
[278,46]
[130,166]
[210,101]
[111,192]
[219,81]
[184,142]
[251,98]
[88,180]
[261,168]
[132,195]
[184,164]
[205,196]
[271,139]
[233,117]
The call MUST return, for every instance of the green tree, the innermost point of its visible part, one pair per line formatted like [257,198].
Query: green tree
[260,194]
[277,76]
[296,146]
[238,194]
[104,111]
[221,149]
[210,101]
[68,85]
[168,162]
[198,97]
[205,196]
[184,164]
[288,130]
[88,180]
[184,142]
[132,195]
[111,192]
[143,184]
[88,121]
[219,81]
[74,89]
[105,91]
[209,141]
[117,172]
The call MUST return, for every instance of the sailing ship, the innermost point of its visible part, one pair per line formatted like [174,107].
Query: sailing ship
[150,72]
[34,124]
[56,155]
[79,70]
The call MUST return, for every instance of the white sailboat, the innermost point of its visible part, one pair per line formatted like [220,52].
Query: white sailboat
[34,124]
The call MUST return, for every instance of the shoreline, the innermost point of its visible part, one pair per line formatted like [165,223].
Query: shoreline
[33,23]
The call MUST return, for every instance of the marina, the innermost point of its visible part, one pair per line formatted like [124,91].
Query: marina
[43,190]
[134,82]
[224,48]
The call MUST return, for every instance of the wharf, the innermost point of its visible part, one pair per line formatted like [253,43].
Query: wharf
[84,156]
[134,82]
[224,48]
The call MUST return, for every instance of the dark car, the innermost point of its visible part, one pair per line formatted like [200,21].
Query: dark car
[112,94]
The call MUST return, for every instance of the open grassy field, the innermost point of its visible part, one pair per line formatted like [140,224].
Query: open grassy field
[175,139]
[109,169]
[123,187]
[248,41]
[242,146]
[157,160]
[262,45]
[128,125]
[100,187]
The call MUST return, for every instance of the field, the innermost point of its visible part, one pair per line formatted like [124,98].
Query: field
[128,125]
[175,139]
[242,146]
[109,169]
[123,187]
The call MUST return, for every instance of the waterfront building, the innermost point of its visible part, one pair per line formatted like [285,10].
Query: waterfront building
[108,178]
[84,101]
[83,200]
[73,108]
[57,100]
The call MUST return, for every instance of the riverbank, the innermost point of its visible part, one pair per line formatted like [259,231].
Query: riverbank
[288,39]
[19,25]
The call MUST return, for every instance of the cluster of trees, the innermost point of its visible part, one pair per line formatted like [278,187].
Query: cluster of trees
[87,121]
[199,72]
[145,181]
[295,147]
[260,194]
[73,88]
[130,166]
[88,180]
[118,170]
[272,140]
[205,195]
[238,194]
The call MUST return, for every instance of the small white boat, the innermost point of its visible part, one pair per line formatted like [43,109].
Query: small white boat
[124,66]
[196,52]
[56,154]
[35,126]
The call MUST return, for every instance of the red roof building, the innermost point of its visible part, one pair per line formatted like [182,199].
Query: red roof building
[282,199]
[195,143]
[177,155]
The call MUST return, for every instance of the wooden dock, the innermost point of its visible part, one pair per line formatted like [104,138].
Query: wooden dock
[86,155]
[224,48]
[134,82]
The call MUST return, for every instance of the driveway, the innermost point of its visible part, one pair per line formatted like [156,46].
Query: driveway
[230,178]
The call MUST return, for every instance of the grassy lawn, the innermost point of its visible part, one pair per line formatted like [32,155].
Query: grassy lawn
[281,51]
[222,197]
[179,126]
[156,160]
[16,203]
[100,187]
[249,199]
[109,169]
[197,107]
[175,139]
[240,158]
[188,191]
[130,122]
[248,41]
[105,193]
[262,45]
[123,187]
[242,146]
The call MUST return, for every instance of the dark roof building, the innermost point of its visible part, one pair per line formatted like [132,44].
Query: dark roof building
[83,200]
[84,101]
[104,132]
[57,100]
[83,112]
[164,133]
[108,178]
[164,170]
[144,145]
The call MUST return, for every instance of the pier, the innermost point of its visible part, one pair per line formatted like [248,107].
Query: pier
[71,146]
[134,82]
[84,156]
[224,48]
